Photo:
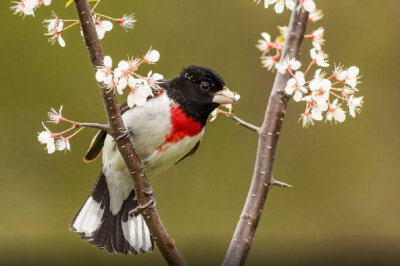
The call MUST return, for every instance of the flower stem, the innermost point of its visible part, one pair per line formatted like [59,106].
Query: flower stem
[70,26]
[75,133]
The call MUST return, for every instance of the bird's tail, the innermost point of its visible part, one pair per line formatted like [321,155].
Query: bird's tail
[121,233]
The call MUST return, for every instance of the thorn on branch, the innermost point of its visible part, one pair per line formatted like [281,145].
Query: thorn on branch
[280,184]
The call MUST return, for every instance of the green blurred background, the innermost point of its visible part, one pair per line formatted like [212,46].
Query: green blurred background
[344,207]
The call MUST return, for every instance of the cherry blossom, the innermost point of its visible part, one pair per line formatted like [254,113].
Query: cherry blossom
[104,73]
[63,144]
[102,27]
[54,29]
[287,64]
[265,44]
[306,118]
[350,76]
[151,57]
[354,105]
[315,15]
[335,112]
[140,91]
[319,57]
[296,86]
[320,87]
[47,137]
[279,4]
[307,5]
[54,116]
[24,7]
[317,38]
[268,62]
[127,22]
[44,2]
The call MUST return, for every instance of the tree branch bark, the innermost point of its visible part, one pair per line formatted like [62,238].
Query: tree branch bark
[116,128]
[243,123]
[267,142]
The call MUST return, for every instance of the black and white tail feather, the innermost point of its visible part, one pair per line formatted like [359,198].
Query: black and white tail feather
[121,233]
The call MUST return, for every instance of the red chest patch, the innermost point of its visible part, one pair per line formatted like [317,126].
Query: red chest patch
[182,126]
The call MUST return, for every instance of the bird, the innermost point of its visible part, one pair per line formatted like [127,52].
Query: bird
[165,130]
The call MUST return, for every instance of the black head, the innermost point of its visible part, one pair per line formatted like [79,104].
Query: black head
[198,91]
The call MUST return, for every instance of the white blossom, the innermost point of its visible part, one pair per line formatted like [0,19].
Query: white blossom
[335,112]
[44,2]
[354,105]
[279,4]
[122,73]
[350,76]
[287,64]
[102,27]
[151,57]
[127,22]
[307,119]
[214,115]
[268,62]
[54,116]
[295,86]
[54,30]
[47,137]
[104,73]
[265,44]
[63,144]
[320,87]
[24,7]
[317,38]
[319,57]
[315,15]
[307,5]
[140,91]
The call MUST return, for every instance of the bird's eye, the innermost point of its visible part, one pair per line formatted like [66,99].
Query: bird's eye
[204,85]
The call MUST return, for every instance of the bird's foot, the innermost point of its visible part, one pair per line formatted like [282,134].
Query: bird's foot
[140,208]
[128,132]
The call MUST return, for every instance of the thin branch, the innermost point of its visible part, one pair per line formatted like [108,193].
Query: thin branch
[243,123]
[267,143]
[117,128]
[104,127]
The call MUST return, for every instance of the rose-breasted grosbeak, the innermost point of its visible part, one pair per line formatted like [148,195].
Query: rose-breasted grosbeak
[167,129]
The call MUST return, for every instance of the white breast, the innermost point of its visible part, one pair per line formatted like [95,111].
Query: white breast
[149,125]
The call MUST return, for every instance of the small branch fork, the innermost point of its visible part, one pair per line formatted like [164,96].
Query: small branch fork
[268,136]
[117,128]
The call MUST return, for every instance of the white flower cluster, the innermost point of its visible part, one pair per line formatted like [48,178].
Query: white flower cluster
[55,141]
[125,76]
[28,7]
[317,93]
[55,25]
[307,5]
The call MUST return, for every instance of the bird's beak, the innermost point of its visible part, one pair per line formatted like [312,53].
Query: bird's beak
[224,96]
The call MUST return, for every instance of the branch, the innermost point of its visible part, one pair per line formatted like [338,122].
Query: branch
[243,123]
[117,128]
[104,127]
[267,143]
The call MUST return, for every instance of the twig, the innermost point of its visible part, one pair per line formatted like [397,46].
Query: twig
[104,127]
[267,143]
[243,123]
[117,128]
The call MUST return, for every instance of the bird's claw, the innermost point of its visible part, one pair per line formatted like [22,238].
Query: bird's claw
[140,208]
[126,134]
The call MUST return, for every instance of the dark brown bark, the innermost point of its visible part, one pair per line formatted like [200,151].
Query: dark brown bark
[116,129]
[267,143]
